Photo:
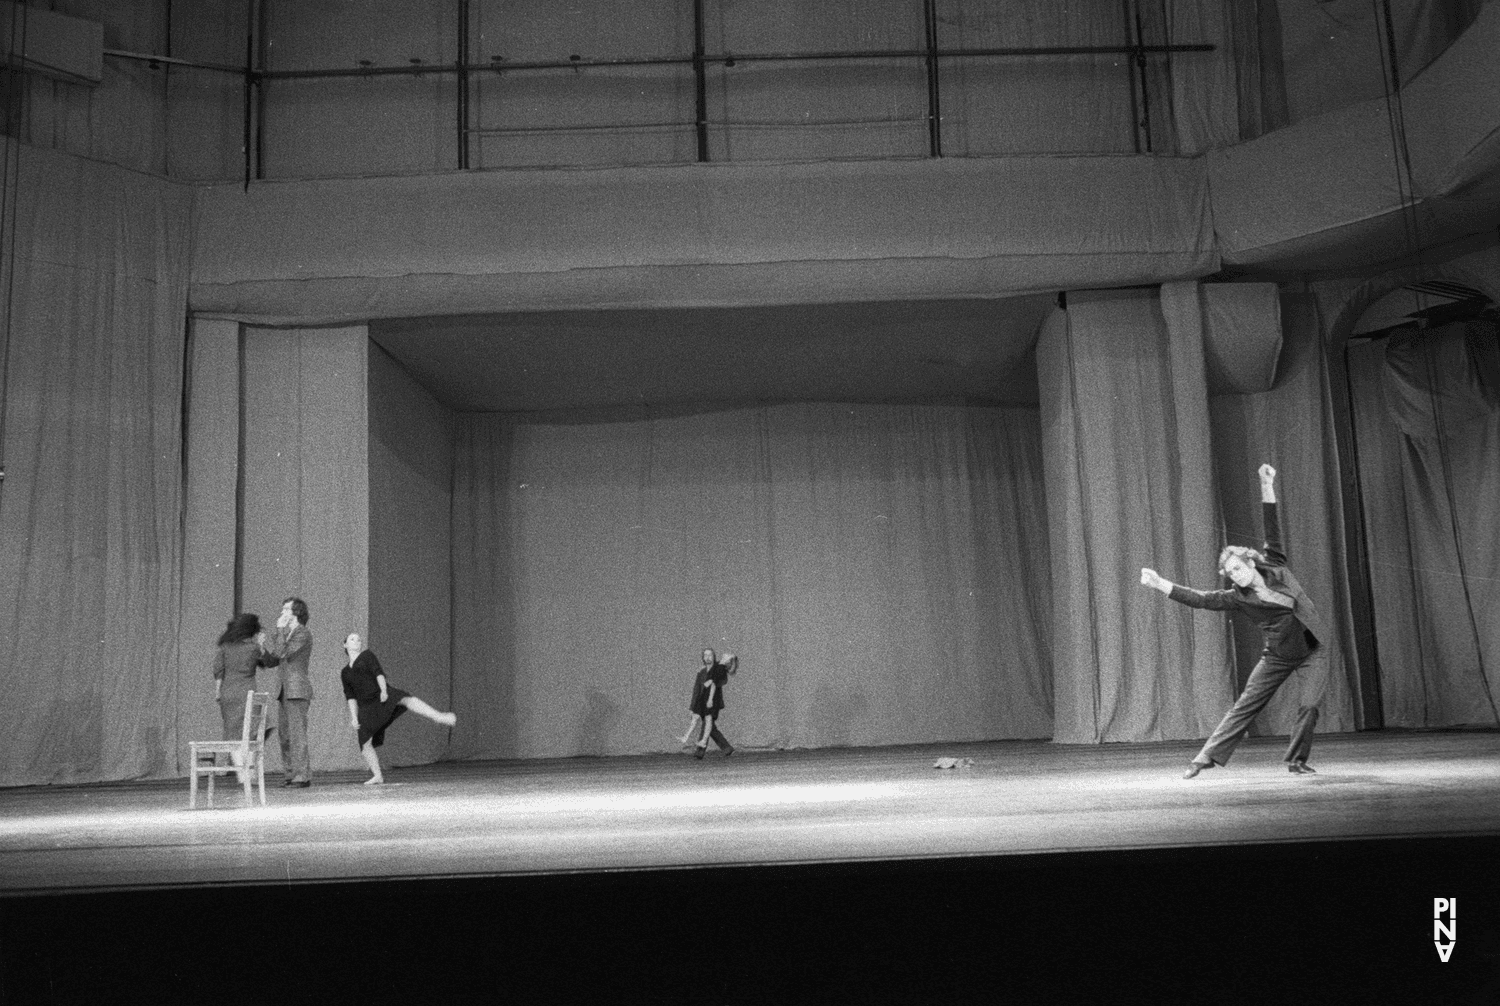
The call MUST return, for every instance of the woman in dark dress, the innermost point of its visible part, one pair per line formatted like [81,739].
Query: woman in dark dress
[711,704]
[695,701]
[374,704]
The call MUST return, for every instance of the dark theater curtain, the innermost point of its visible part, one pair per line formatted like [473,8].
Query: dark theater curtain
[882,572]
[1427,423]
[89,510]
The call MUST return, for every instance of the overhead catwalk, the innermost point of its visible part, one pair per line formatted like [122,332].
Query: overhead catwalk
[818,806]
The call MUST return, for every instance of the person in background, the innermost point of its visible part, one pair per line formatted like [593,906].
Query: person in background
[695,702]
[713,704]
[1265,590]
[374,703]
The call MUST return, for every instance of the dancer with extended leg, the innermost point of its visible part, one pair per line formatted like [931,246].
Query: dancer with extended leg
[713,704]
[1266,591]
[374,704]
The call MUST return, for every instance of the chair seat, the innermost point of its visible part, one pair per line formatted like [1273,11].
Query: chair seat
[223,747]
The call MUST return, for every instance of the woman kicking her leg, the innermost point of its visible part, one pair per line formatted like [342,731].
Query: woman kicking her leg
[374,704]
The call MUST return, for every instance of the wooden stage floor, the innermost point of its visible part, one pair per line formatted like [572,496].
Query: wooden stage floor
[757,808]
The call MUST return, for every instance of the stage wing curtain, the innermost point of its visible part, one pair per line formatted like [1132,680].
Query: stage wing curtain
[881,571]
[89,509]
[1427,428]
[1130,485]
[1291,427]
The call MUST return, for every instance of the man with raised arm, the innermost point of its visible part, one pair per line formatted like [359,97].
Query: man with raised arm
[1265,590]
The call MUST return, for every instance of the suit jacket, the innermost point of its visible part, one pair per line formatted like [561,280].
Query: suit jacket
[294,649]
[1282,637]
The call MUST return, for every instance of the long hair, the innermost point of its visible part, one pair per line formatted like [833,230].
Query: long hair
[243,626]
[1243,552]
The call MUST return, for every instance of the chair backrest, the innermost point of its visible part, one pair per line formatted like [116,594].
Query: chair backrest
[257,708]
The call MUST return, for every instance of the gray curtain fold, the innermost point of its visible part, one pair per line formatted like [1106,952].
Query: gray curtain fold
[881,571]
[1291,426]
[1427,434]
[89,510]
[1130,484]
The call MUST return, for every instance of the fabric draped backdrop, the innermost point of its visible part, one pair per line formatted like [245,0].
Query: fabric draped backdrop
[1130,484]
[1427,422]
[882,571]
[90,507]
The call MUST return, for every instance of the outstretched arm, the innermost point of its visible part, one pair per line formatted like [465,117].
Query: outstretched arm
[1216,600]
[1273,548]
[1151,578]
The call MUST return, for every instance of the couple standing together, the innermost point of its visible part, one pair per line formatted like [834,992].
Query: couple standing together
[708,702]
[242,648]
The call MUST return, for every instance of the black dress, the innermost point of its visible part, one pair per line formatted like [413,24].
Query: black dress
[718,676]
[700,694]
[361,686]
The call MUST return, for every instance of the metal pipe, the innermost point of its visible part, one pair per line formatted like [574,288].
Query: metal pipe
[700,81]
[729,59]
[934,105]
[261,34]
[249,71]
[173,61]
[1135,108]
[463,85]
[1140,62]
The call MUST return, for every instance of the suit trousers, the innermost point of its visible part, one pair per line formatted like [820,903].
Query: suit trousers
[1265,679]
[292,718]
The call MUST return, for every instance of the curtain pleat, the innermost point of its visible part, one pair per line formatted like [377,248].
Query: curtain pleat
[89,510]
[881,571]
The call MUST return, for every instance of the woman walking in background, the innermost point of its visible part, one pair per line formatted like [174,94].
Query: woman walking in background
[695,701]
[374,704]
[712,704]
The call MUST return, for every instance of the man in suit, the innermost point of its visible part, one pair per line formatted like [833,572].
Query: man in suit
[1265,590]
[292,645]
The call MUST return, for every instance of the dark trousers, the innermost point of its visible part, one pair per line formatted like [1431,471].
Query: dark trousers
[292,717]
[1264,680]
[718,738]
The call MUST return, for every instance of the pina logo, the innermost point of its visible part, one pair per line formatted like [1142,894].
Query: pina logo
[1442,930]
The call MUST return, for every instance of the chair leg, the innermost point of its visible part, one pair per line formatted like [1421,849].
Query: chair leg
[193,783]
[260,776]
[211,777]
[245,778]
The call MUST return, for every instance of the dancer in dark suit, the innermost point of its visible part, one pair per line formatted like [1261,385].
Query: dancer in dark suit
[1266,591]
[292,644]
[712,704]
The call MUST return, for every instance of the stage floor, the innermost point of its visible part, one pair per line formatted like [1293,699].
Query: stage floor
[786,807]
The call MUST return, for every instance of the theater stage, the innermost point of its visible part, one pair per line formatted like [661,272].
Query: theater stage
[759,807]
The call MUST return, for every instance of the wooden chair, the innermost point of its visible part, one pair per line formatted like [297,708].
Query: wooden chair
[251,747]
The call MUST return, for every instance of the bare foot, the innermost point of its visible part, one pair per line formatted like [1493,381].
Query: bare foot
[374,780]
[449,718]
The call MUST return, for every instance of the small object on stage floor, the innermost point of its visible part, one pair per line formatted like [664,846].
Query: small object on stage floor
[953,763]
